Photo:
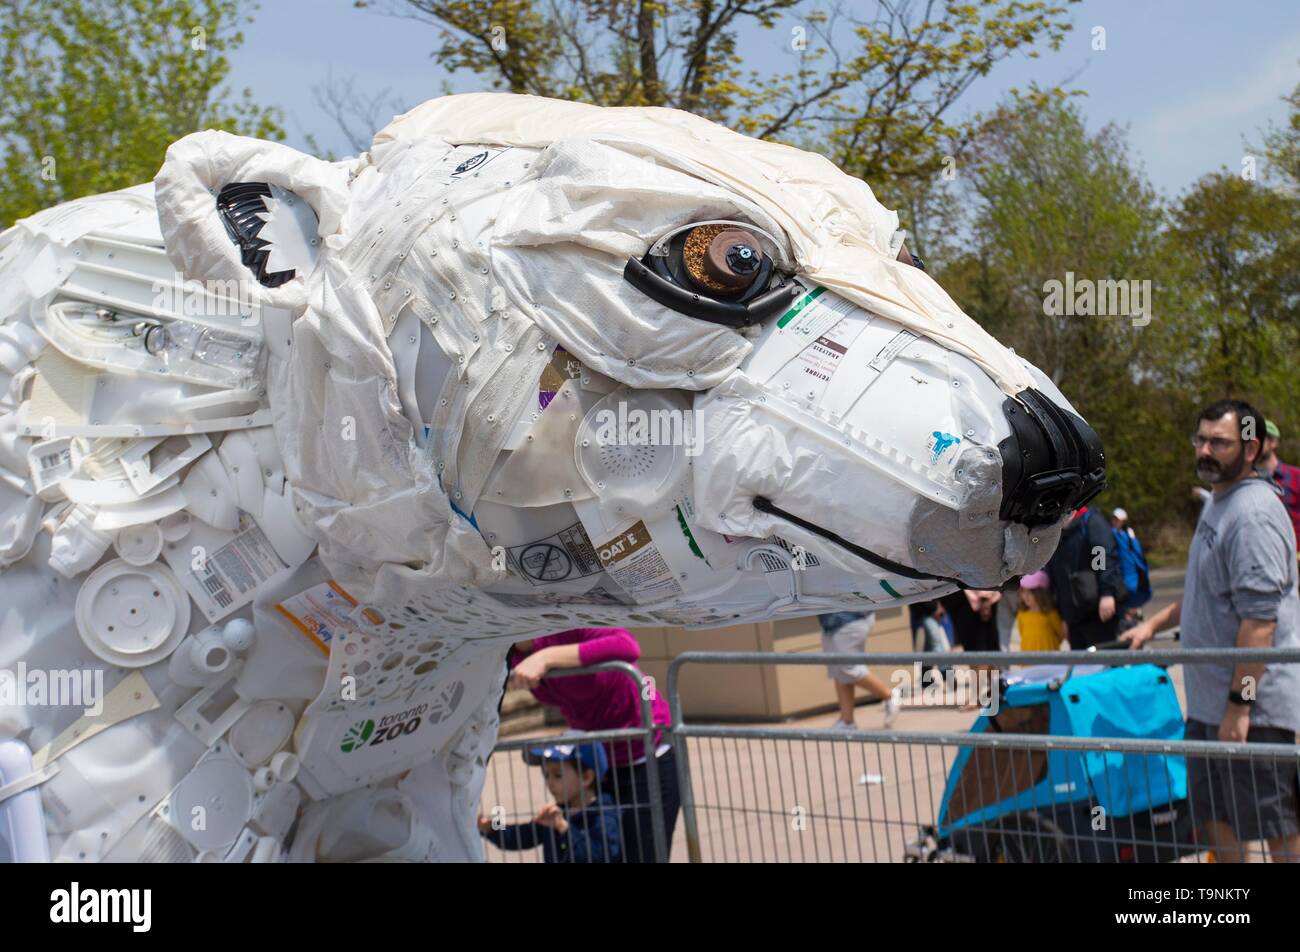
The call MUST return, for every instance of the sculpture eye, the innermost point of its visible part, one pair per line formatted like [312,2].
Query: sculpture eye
[719,259]
[715,271]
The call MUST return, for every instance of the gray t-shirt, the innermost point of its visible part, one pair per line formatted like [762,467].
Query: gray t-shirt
[1242,564]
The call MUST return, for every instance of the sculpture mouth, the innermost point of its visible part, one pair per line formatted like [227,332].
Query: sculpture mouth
[765,505]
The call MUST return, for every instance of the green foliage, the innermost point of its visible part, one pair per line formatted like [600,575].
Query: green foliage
[1049,197]
[95,90]
[873,90]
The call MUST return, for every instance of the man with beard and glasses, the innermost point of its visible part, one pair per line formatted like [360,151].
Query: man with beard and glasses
[1240,591]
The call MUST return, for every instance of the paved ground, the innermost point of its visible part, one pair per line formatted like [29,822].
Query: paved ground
[783,799]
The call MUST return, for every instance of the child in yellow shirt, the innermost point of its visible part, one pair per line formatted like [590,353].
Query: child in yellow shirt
[1041,627]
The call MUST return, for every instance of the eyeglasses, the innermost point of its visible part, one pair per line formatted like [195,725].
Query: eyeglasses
[1217,443]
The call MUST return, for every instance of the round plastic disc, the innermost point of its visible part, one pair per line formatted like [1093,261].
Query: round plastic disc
[223,791]
[139,545]
[132,616]
[631,448]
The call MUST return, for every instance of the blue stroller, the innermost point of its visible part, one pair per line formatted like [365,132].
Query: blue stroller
[1095,806]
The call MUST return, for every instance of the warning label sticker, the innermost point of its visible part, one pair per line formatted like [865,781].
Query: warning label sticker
[635,563]
[887,353]
[228,578]
[565,555]
[321,613]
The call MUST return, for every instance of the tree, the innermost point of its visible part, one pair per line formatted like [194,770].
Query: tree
[95,91]
[1053,201]
[1282,146]
[1050,198]
[873,92]
[1236,240]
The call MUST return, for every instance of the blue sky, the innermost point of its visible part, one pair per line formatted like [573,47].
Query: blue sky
[1190,79]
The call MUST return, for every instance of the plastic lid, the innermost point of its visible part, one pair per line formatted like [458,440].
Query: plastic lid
[262,730]
[631,448]
[139,545]
[132,616]
[224,792]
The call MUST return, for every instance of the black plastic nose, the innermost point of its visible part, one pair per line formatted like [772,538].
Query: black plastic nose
[1051,464]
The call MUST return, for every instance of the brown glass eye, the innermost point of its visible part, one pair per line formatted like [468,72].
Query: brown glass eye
[722,258]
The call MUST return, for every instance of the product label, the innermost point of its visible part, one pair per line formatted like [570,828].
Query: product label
[228,578]
[322,612]
[891,350]
[808,320]
[565,555]
[635,563]
[809,373]
[51,461]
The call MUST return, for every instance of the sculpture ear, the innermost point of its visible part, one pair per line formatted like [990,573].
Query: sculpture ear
[235,208]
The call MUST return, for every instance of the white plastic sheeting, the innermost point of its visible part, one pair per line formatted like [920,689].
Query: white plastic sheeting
[839,232]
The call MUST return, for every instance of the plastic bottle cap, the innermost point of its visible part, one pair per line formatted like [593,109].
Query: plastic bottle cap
[139,545]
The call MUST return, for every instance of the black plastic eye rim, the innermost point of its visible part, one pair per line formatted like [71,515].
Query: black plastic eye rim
[731,314]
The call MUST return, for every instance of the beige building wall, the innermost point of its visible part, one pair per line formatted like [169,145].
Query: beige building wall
[758,692]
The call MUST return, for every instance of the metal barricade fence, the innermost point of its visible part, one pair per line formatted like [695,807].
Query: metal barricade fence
[1075,767]
[624,824]
[1022,785]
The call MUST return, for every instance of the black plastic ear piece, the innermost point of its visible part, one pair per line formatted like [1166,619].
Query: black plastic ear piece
[240,205]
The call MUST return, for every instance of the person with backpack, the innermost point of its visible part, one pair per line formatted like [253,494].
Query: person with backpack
[1087,581]
[1133,566]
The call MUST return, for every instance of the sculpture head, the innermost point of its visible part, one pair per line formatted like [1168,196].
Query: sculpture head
[503,281]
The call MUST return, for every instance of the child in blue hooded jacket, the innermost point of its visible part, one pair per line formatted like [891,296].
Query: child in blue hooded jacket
[582,825]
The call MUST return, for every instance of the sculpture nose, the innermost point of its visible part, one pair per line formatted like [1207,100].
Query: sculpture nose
[1052,463]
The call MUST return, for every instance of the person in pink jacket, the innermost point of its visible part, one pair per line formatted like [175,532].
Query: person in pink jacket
[606,701]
